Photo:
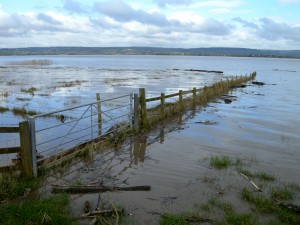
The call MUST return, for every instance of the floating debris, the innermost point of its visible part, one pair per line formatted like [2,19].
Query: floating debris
[291,71]
[207,122]
[206,71]
[258,83]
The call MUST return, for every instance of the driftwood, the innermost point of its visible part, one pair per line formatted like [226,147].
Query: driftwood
[206,71]
[193,219]
[96,189]
[109,212]
[258,83]
[257,188]
[289,206]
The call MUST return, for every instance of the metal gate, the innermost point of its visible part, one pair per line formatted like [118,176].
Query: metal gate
[55,132]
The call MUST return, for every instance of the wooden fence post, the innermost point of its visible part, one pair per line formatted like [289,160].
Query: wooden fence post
[180,99]
[99,114]
[194,96]
[144,119]
[136,117]
[26,152]
[162,105]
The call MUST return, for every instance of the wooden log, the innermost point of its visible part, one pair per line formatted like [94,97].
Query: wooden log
[108,212]
[96,189]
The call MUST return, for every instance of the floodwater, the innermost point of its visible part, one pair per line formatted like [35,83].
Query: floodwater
[261,126]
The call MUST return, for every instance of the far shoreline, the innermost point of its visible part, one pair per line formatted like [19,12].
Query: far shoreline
[155,51]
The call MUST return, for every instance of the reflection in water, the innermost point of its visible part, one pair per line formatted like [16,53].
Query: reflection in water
[162,135]
[139,149]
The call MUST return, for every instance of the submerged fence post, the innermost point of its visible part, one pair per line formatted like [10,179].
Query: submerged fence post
[136,112]
[144,119]
[162,105]
[28,155]
[99,114]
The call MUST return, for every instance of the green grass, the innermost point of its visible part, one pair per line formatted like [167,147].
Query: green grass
[23,112]
[168,219]
[12,187]
[266,205]
[52,210]
[220,162]
[3,109]
[282,194]
[29,90]
[263,176]
[271,206]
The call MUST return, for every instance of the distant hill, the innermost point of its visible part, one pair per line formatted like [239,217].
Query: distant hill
[240,52]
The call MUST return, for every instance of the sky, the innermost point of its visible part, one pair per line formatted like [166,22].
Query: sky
[257,24]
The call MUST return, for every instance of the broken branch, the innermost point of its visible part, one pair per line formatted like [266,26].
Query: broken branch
[257,188]
[96,189]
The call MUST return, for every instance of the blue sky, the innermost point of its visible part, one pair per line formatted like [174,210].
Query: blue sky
[263,24]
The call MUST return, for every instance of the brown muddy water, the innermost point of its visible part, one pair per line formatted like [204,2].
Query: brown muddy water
[260,126]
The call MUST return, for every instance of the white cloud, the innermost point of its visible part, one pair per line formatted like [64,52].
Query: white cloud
[290,1]
[118,23]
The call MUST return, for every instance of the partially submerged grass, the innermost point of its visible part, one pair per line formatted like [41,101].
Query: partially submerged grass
[3,109]
[32,63]
[29,90]
[4,94]
[11,82]
[23,112]
[267,205]
[271,205]
[23,99]
[71,83]
[263,176]
[220,162]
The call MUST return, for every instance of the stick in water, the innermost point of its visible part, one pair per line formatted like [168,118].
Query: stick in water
[257,188]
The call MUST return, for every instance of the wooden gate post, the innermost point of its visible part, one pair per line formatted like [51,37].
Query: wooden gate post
[144,119]
[27,161]
[99,114]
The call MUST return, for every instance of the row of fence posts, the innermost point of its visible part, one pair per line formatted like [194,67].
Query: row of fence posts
[138,117]
[139,120]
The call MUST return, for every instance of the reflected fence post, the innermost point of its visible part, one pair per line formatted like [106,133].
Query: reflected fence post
[136,114]
[99,114]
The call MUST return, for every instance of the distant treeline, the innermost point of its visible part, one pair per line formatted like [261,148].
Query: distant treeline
[239,52]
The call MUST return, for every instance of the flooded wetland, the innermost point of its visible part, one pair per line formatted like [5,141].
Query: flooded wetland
[193,161]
